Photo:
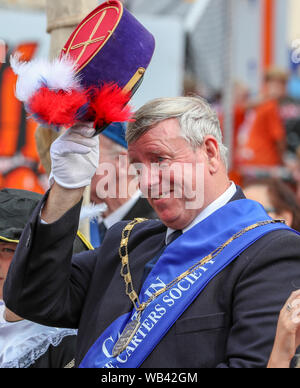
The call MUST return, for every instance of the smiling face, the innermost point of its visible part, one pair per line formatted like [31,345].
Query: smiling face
[7,251]
[163,146]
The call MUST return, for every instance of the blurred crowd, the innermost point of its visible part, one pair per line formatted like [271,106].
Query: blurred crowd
[266,130]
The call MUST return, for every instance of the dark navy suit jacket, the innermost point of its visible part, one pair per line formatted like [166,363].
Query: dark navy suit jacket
[231,324]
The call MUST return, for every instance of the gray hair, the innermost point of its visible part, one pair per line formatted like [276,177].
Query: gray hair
[196,119]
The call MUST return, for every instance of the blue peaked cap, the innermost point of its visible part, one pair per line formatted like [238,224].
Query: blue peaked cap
[116,132]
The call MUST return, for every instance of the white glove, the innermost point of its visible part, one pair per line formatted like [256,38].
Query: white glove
[75,157]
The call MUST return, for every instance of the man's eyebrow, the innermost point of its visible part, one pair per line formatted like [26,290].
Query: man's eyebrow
[155,152]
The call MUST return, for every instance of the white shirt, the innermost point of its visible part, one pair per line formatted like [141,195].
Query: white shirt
[210,209]
[121,212]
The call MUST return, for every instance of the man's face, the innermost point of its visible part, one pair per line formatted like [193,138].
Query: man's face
[7,251]
[108,171]
[275,89]
[163,146]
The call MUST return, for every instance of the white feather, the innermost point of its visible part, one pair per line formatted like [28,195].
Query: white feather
[59,74]
[92,212]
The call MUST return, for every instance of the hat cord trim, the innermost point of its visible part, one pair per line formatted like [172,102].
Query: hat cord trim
[85,241]
[9,240]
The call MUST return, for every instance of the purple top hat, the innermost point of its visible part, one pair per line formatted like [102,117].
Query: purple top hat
[110,45]
[99,69]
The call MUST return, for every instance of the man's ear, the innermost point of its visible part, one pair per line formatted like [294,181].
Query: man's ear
[211,148]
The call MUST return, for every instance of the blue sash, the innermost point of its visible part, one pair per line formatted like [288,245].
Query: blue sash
[161,314]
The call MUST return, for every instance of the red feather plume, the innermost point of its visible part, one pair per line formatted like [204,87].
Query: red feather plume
[109,105]
[58,108]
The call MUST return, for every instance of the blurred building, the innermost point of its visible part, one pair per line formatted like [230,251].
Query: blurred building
[293,17]
[257,28]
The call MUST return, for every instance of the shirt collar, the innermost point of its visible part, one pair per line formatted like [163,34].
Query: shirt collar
[210,209]
[121,212]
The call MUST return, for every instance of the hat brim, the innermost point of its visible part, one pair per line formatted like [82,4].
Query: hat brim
[79,234]
[9,240]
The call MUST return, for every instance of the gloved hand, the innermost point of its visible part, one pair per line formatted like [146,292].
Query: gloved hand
[75,157]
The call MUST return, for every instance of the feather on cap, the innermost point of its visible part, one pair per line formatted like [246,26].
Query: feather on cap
[59,74]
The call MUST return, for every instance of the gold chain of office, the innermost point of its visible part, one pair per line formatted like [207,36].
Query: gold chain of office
[125,269]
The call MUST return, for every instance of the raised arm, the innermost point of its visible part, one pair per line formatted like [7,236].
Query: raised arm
[45,283]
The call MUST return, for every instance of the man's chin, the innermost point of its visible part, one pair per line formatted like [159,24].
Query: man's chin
[177,220]
[170,220]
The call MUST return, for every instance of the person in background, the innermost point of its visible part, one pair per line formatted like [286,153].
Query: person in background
[25,344]
[277,198]
[262,136]
[287,339]
[281,203]
[277,81]
[113,151]
[242,103]
[275,84]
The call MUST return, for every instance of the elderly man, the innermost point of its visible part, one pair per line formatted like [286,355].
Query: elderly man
[112,185]
[197,289]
